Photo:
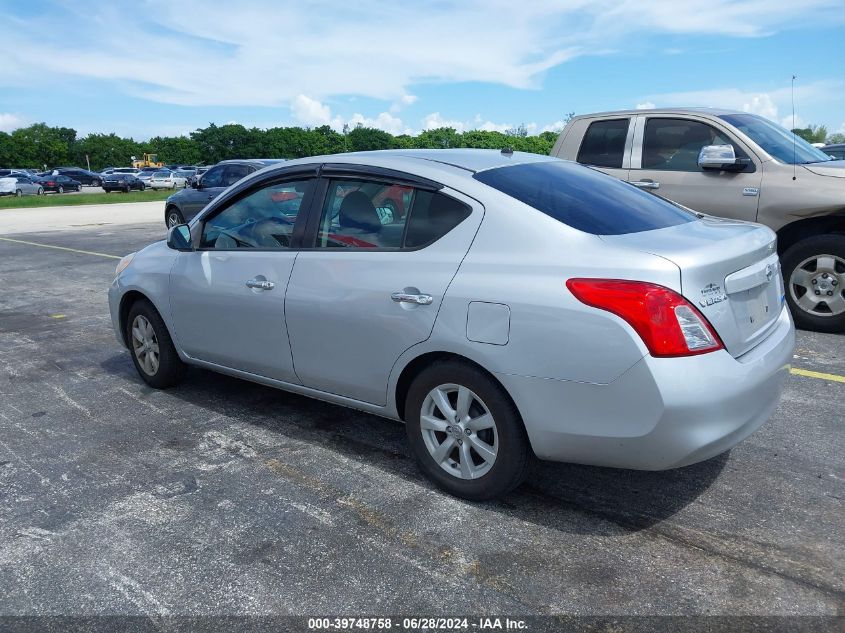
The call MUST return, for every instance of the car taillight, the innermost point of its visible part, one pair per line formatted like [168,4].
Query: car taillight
[668,324]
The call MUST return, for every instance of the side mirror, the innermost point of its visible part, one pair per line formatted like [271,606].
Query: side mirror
[196,183]
[721,158]
[179,238]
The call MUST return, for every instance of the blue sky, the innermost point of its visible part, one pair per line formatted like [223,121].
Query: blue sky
[146,68]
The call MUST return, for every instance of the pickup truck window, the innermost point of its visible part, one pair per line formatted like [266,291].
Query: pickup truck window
[674,144]
[775,140]
[584,198]
[604,143]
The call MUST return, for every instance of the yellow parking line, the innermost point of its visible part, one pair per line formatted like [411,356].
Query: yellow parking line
[60,248]
[816,374]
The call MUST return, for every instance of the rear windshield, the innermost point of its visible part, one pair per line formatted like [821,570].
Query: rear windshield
[161,174]
[584,198]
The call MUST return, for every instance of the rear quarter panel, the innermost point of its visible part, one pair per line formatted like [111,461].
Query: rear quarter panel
[522,258]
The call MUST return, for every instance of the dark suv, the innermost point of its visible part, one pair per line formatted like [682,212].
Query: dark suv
[182,206]
[80,175]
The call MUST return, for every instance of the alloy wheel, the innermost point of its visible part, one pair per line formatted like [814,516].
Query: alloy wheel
[817,285]
[145,345]
[459,431]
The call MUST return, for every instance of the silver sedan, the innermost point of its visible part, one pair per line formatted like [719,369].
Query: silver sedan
[503,305]
[25,186]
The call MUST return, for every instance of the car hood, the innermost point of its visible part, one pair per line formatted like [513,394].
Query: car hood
[835,168]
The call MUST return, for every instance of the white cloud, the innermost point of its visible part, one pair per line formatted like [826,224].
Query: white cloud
[772,104]
[763,105]
[9,122]
[313,113]
[791,123]
[645,105]
[402,102]
[384,121]
[267,53]
[434,121]
[310,112]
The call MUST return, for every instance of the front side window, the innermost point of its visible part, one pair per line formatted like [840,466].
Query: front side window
[604,143]
[262,219]
[213,177]
[233,173]
[584,198]
[674,144]
[366,214]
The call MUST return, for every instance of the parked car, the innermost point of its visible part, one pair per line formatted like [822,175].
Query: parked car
[83,176]
[523,304]
[20,185]
[184,205]
[5,173]
[167,180]
[7,185]
[734,165]
[837,150]
[195,178]
[59,184]
[122,182]
[186,172]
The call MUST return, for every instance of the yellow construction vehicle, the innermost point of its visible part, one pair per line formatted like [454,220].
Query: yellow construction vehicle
[149,160]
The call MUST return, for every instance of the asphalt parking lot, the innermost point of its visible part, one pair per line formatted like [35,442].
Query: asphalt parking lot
[225,497]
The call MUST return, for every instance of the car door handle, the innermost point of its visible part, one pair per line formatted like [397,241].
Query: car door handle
[404,297]
[646,184]
[260,284]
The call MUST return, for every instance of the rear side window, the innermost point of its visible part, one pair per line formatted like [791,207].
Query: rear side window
[365,214]
[584,198]
[604,143]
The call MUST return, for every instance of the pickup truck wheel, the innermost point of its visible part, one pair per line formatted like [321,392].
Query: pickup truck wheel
[814,276]
[465,432]
[173,218]
[18,193]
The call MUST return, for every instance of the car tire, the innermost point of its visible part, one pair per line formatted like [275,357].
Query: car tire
[18,193]
[153,354]
[60,189]
[814,281]
[457,455]
[127,189]
[107,190]
[95,183]
[40,191]
[173,217]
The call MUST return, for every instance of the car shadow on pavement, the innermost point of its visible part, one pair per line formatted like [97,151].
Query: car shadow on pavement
[563,497]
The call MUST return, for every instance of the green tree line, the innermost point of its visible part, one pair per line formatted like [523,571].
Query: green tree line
[40,144]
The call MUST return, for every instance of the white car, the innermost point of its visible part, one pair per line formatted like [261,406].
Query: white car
[167,180]
[7,185]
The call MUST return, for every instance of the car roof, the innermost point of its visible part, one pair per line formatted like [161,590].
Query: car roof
[684,110]
[464,160]
[262,162]
[834,146]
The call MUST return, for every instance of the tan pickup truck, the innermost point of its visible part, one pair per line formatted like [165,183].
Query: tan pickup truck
[735,165]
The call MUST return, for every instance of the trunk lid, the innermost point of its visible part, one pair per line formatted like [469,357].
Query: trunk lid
[729,271]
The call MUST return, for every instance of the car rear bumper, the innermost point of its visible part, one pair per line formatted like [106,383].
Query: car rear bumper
[663,412]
